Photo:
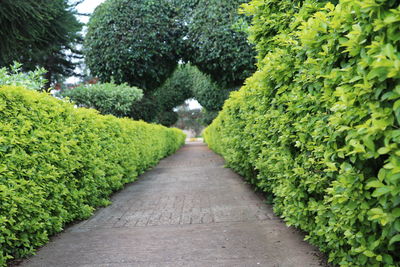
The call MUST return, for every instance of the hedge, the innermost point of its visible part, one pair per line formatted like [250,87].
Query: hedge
[318,125]
[58,163]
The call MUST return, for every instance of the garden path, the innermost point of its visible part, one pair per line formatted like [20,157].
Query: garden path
[187,211]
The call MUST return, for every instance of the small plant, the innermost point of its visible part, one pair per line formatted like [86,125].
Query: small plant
[15,76]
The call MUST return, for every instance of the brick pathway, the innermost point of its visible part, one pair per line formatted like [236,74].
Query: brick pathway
[187,211]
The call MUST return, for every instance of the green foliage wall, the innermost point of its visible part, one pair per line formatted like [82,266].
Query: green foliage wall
[317,125]
[58,163]
[107,98]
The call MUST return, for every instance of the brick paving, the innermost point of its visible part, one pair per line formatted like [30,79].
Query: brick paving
[187,211]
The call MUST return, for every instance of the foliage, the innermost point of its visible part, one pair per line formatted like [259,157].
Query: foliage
[186,82]
[32,79]
[146,109]
[39,33]
[215,46]
[107,98]
[207,92]
[134,42]
[318,124]
[141,42]
[167,118]
[58,163]
[176,88]
[189,119]
[208,116]
[172,93]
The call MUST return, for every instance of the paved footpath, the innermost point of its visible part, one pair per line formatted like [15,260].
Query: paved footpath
[187,211]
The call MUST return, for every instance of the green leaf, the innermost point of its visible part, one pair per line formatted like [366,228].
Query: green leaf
[384,150]
[375,184]
[396,212]
[394,239]
[381,191]
[369,253]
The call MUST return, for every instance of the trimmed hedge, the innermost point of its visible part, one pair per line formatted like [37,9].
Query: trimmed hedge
[58,163]
[318,125]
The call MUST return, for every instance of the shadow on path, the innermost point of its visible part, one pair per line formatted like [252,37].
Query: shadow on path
[187,211]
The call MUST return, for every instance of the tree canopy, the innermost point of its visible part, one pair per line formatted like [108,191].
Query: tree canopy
[141,42]
[216,44]
[39,33]
[133,41]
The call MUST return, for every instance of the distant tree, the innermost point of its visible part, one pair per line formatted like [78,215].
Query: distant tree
[40,33]
[189,119]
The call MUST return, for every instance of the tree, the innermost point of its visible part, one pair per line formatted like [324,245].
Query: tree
[40,33]
[141,42]
[216,45]
[189,119]
[173,93]
[133,41]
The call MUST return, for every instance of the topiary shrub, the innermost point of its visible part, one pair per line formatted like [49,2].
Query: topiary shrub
[317,125]
[58,163]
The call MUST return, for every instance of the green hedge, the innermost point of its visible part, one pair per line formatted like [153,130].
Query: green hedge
[318,125]
[58,163]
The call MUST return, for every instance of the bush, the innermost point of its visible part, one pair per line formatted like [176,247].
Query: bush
[318,124]
[33,79]
[58,163]
[107,98]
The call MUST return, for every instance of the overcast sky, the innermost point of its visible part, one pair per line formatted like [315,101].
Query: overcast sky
[88,6]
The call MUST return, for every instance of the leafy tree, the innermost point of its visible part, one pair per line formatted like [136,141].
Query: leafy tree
[145,109]
[177,88]
[107,98]
[39,33]
[216,46]
[140,42]
[133,41]
[173,93]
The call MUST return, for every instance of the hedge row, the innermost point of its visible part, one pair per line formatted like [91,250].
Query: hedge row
[58,163]
[318,125]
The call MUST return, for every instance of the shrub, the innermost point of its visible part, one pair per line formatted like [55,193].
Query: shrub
[58,163]
[318,124]
[107,98]
[33,79]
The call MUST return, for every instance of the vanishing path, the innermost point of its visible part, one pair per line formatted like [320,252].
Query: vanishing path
[187,211]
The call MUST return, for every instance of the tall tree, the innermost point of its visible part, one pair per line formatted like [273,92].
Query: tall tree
[133,41]
[141,42]
[40,33]
[216,44]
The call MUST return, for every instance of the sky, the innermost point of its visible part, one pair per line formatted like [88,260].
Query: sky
[88,6]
